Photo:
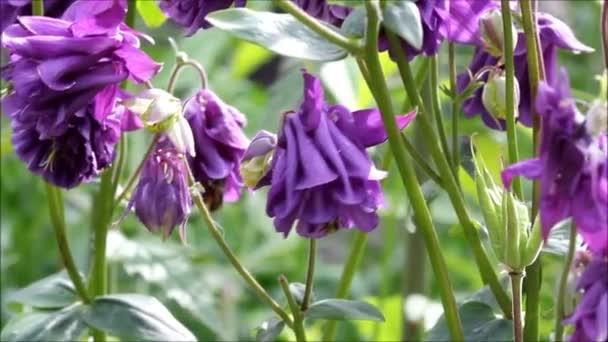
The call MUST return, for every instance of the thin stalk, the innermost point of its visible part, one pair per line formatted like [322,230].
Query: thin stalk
[357,249]
[536,73]
[488,274]
[245,274]
[455,112]
[55,201]
[131,12]
[118,169]
[516,282]
[298,320]
[38,7]
[351,45]
[310,273]
[436,103]
[513,153]
[422,214]
[420,77]
[135,175]
[563,282]
[605,32]
[177,68]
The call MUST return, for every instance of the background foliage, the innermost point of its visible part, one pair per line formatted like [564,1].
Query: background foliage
[195,281]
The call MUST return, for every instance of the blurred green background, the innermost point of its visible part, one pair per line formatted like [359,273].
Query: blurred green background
[195,281]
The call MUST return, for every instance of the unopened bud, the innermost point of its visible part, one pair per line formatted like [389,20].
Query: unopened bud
[492,32]
[257,157]
[597,117]
[494,96]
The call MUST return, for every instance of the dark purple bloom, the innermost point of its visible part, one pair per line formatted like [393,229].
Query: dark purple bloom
[191,13]
[572,168]
[219,143]
[455,20]
[320,9]
[162,197]
[590,319]
[64,74]
[553,34]
[321,176]
[11,9]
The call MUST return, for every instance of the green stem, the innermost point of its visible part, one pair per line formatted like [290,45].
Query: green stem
[55,201]
[120,163]
[516,280]
[436,103]
[486,269]
[298,321]
[179,65]
[422,215]
[563,282]
[357,250]
[131,12]
[312,252]
[536,73]
[421,73]
[245,274]
[38,7]
[510,93]
[413,284]
[333,36]
[455,112]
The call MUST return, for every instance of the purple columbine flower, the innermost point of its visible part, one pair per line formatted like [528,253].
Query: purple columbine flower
[553,34]
[219,143]
[191,14]
[572,167]
[162,198]
[590,319]
[457,21]
[64,76]
[320,9]
[11,9]
[320,175]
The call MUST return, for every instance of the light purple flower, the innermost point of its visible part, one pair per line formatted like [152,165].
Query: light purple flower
[553,34]
[65,73]
[191,14]
[590,319]
[219,143]
[162,198]
[321,176]
[572,167]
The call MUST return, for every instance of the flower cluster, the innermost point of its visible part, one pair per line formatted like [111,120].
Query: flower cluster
[321,178]
[553,34]
[64,75]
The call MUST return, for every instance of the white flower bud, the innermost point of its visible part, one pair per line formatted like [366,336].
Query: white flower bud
[597,117]
[181,136]
[492,32]
[494,96]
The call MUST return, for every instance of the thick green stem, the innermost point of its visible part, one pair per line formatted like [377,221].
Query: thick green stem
[513,152]
[310,273]
[436,103]
[58,222]
[422,215]
[413,283]
[455,112]
[486,269]
[516,280]
[245,274]
[38,7]
[357,250]
[560,313]
[351,45]
[298,320]
[536,73]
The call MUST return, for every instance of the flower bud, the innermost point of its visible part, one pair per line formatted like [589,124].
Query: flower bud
[492,32]
[257,157]
[494,96]
[597,117]
[489,195]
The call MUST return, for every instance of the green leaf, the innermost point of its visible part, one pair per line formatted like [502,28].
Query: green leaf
[479,323]
[135,317]
[150,13]
[403,18]
[297,291]
[269,330]
[280,33]
[558,241]
[53,292]
[486,296]
[354,24]
[344,310]
[61,325]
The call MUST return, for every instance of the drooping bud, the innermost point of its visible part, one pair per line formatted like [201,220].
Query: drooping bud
[492,32]
[257,157]
[494,96]
[597,117]
[162,112]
